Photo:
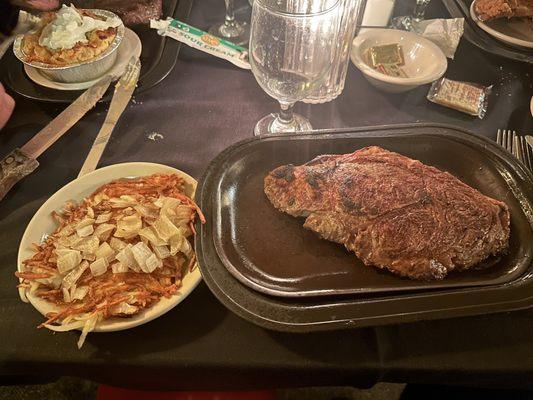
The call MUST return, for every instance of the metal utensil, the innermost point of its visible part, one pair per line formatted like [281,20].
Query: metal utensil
[504,139]
[524,149]
[123,91]
[529,141]
[516,145]
[21,162]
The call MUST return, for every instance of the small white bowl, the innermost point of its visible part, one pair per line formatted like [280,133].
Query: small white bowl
[424,60]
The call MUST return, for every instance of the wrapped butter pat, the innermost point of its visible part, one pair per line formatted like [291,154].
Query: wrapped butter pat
[470,98]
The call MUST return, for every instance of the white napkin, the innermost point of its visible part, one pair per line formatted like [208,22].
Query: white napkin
[378,12]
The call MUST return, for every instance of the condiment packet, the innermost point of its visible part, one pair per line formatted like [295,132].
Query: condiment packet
[445,33]
[203,41]
[386,54]
[470,98]
[391,70]
[386,59]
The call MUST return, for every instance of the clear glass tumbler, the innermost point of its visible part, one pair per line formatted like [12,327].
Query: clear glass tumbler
[351,17]
[292,44]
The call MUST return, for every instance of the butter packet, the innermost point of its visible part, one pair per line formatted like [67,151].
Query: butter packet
[202,41]
[387,54]
[391,70]
[470,98]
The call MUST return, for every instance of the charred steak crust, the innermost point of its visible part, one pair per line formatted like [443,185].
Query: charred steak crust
[392,211]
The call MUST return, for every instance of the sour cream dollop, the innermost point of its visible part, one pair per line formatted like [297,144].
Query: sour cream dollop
[70,27]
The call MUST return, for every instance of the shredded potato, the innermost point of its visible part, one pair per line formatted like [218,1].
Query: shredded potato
[114,254]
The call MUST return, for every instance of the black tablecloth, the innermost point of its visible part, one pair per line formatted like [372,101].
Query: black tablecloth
[203,106]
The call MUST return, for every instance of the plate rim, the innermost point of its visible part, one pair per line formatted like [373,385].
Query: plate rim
[222,159]
[496,34]
[113,324]
[319,314]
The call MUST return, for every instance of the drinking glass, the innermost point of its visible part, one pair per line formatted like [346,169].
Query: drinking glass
[407,22]
[292,44]
[237,32]
[351,17]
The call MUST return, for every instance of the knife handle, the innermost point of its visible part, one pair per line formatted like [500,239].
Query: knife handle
[15,166]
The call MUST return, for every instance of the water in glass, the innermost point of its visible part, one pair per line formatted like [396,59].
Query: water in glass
[292,44]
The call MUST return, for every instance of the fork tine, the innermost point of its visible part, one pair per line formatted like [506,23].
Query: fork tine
[522,150]
[529,152]
[517,151]
[504,139]
[525,152]
[529,155]
[499,137]
[514,144]
[508,141]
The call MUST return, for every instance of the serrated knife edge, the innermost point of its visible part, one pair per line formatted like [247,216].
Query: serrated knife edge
[66,119]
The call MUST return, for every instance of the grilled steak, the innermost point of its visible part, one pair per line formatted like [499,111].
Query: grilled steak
[393,212]
[493,9]
[132,12]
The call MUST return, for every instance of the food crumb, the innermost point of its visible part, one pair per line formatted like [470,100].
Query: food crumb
[155,136]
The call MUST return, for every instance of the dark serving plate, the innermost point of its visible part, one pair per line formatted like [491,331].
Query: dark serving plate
[247,249]
[478,37]
[158,57]
[272,252]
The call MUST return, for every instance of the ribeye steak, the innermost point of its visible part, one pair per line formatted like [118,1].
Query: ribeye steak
[392,211]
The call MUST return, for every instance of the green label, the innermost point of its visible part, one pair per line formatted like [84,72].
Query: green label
[182,26]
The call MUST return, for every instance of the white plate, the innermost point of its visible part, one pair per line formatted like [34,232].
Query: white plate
[513,31]
[130,46]
[43,223]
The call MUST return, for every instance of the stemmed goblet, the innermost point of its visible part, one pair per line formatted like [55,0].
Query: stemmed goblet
[292,43]
[235,31]
[407,22]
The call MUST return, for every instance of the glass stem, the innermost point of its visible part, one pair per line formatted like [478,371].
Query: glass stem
[420,9]
[286,114]
[229,20]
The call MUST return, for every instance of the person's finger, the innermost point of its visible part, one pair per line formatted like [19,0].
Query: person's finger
[43,5]
[10,102]
[7,104]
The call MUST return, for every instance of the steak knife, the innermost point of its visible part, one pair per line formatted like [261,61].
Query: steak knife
[21,162]
[123,92]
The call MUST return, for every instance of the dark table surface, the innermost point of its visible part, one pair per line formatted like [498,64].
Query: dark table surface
[204,106]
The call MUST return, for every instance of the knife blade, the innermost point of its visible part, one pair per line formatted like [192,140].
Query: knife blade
[123,92]
[21,162]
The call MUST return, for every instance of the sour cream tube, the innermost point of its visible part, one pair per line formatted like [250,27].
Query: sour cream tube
[202,41]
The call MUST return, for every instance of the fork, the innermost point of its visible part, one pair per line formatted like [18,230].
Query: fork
[516,145]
